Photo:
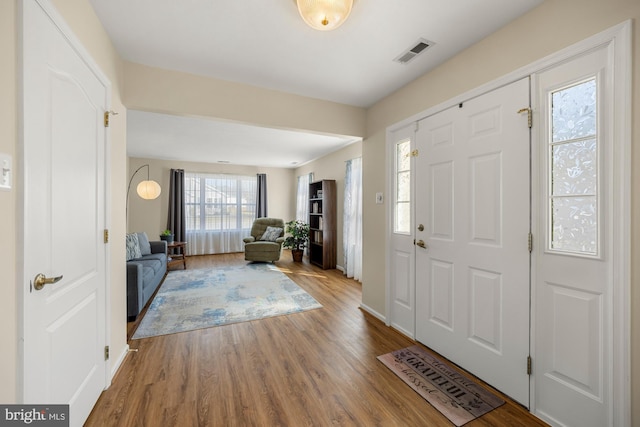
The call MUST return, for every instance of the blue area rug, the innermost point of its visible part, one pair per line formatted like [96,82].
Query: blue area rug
[197,299]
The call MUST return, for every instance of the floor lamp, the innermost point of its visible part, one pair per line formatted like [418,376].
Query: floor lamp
[148,189]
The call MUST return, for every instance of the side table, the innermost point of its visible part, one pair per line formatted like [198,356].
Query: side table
[176,253]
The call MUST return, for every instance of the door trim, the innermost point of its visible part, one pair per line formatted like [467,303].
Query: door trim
[620,36]
[21,277]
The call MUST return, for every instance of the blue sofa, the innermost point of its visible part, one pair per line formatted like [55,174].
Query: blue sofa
[144,275]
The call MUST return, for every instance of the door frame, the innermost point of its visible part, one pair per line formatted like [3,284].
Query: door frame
[620,36]
[22,280]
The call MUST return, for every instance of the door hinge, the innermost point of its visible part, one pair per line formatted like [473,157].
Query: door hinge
[106,235]
[414,153]
[530,242]
[529,115]
[528,365]
[106,352]
[106,117]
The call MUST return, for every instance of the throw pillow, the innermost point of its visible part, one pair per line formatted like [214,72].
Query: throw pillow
[143,243]
[133,247]
[271,234]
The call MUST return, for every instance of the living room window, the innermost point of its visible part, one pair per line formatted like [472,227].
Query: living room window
[219,211]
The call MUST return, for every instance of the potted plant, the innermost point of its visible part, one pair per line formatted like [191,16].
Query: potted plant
[167,235]
[297,238]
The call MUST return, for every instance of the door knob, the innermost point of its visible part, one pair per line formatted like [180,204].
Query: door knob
[40,280]
[421,227]
[421,244]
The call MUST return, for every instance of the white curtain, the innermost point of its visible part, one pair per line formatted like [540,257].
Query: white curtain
[220,210]
[302,197]
[352,227]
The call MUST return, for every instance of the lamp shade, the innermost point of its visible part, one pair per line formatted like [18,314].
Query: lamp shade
[324,15]
[148,190]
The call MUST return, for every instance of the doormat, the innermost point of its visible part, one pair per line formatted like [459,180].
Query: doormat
[456,396]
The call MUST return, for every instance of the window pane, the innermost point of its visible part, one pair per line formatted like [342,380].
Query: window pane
[216,202]
[574,112]
[404,186]
[574,223]
[402,220]
[403,217]
[573,159]
[192,214]
[574,168]
[403,160]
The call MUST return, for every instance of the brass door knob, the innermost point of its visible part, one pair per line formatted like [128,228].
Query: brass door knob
[421,244]
[40,280]
[421,227]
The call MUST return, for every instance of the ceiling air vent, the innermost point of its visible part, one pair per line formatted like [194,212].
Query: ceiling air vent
[419,47]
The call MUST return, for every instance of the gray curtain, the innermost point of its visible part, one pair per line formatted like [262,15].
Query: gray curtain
[261,198]
[176,217]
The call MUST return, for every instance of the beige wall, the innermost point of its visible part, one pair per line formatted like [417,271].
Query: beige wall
[550,27]
[80,17]
[331,166]
[173,92]
[150,216]
[8,145]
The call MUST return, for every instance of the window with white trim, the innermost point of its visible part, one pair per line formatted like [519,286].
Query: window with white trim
[218,202]
[573,160]
[402,202]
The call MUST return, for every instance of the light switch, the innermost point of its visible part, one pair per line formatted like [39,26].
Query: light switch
[5,172]
[379,198]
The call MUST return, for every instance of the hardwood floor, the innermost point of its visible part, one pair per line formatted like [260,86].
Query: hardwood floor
[316,368]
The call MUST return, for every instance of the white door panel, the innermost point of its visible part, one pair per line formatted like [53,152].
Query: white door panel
[64,218]
[472,279]
[572,360]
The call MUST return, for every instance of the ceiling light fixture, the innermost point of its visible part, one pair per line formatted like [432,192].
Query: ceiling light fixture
[324,15]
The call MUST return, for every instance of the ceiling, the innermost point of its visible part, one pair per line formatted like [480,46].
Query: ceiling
[152,135]
[267,44]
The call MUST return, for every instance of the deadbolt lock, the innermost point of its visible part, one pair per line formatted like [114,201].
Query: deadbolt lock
[420,227]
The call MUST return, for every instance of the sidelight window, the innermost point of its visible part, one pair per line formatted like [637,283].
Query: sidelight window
[402,222]
[573,160]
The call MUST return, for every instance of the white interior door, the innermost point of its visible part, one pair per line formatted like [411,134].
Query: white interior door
[473,198]
[64,218]
[574,258]
[402,253]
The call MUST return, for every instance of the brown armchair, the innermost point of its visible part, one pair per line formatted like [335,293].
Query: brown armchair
[265,242]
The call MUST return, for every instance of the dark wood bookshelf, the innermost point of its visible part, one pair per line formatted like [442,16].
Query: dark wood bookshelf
[322,223]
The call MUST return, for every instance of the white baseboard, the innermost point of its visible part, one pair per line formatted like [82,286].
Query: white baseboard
[373,313]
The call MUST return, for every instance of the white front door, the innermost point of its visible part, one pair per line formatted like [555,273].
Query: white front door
[472,273]
[574,279]
[402,257]
[64,217]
